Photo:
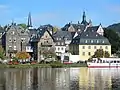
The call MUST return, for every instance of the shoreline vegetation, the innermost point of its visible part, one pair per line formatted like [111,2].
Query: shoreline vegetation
[52,65]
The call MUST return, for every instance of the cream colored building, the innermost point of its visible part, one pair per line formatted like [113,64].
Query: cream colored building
[86,43]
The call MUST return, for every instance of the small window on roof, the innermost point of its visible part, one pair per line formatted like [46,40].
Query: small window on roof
[96,35]
[91,41]
[97,41]
[103,41]
[85,41]
[86,34]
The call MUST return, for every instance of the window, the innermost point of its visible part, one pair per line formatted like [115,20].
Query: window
[97,41]
[61,48]
[89,47]
[14,39]
[15,48]
[86,34]
[89,53]
[106,47]
[85,41]
[13,32]
[62,43]
[100,47]
[103,42]
[58,43]
[10,40]
[58,49]
[10,47]
[95,47]
[83,53]
[91,41]
[59,38]
[83,47]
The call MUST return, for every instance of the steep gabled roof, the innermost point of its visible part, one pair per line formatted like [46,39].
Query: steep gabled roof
[62,34]
[93,28]
[40,32]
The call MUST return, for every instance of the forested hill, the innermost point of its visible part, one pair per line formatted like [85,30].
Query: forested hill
[115,27]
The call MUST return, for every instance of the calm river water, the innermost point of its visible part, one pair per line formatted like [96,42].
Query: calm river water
[60,79]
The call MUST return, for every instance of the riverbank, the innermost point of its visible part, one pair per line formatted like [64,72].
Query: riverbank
[43,65]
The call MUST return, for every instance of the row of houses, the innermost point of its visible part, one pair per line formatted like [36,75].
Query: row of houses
[79,40]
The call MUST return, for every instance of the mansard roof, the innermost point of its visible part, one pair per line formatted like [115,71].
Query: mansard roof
[90,38]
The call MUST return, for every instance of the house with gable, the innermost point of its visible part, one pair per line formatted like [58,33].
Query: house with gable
[16,40]
[62,41]
[42,41]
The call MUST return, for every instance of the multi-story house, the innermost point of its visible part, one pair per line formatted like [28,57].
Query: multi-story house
[86,43]
[43,40]
[17,40]
[62,41]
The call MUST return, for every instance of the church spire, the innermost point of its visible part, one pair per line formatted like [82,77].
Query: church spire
[84,16]
[84,22]
[29,21]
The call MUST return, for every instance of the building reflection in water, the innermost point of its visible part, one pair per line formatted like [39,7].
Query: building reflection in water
[59,79]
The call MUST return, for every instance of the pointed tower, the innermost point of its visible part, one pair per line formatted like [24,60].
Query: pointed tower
[84,22]
[29,25]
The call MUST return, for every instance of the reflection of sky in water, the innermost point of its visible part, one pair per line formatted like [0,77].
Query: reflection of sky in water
[60,79]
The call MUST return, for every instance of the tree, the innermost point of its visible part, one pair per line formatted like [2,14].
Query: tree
[99,53]
[48,53]
[106,54]
[2,53]
[113,38]
[55,29]
[22,55]
[23,25]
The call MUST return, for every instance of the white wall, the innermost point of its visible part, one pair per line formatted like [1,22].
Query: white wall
[60,49]
[74,58]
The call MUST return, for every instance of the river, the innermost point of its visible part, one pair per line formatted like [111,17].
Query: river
[82,78]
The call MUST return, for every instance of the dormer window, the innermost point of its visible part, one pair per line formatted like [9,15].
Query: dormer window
[97,41]
[79,30]
[91,41]
[85,41]
[103,42]
[86,34]
[96,35]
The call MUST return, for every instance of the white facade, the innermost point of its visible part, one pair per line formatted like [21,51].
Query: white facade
[100,30]
[60,49]
[29,49]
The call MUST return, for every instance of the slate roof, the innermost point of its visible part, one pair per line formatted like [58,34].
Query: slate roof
[76,26]
[39,33]
[90,38]
[62,34]
[93,28]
